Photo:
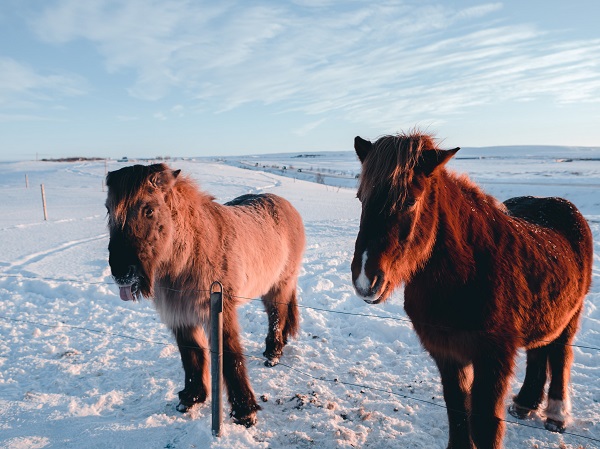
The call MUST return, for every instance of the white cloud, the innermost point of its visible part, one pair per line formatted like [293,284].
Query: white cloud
[475,12]
[24,118]
[379,63]
[308,127]
[22,87]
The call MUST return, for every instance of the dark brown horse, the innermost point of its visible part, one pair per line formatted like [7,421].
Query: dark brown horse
[481,279]
[170,241]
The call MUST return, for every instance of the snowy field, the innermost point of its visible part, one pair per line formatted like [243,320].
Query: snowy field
[81,368]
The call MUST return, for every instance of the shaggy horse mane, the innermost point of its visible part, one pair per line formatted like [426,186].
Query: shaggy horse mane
[391,158]
[128,187]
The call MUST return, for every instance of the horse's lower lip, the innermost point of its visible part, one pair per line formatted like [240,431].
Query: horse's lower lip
[373,299]
[383,294]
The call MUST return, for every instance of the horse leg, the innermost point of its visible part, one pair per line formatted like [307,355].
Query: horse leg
[240,394]
[560,358]
[491,375]
[193,349]
[456,383]
[282,309]
[532,392]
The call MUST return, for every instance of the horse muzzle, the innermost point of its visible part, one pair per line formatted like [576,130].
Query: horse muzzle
[129,284]
[369,280]
[370,289]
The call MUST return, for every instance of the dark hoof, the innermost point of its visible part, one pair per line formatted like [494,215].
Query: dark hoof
[272,362]
[519,412]
[183,408]
[555,426]
[246,418]
[187,400]
[247,421]
[272,357]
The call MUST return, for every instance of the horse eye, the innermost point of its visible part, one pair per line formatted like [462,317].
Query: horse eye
[148,212]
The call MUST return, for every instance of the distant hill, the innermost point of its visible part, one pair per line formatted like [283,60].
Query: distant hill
[73,159]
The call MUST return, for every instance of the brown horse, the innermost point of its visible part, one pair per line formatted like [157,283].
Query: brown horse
[481,279]
[170,241]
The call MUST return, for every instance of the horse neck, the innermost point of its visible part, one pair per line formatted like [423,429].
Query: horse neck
[195,218]
[465,218]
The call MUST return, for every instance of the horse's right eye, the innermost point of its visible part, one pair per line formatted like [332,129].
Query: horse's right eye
[410,202]
[148,212]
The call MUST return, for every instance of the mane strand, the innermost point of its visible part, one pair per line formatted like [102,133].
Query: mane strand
[387,168]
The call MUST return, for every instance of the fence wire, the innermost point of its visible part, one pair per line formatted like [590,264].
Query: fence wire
[318,309]
[280,363]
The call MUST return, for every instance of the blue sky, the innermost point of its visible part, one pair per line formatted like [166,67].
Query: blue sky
[193,78]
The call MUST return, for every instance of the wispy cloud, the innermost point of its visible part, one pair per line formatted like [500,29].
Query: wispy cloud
[379,63]
[22,87]
[25,118]
[307,128]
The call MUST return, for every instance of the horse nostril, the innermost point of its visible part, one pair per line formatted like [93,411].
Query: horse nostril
[377,283]
[374,282]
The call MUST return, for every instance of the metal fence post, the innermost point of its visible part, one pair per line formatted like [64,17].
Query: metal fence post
[216,350]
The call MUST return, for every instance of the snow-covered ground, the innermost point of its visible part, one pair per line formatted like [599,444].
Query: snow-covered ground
[81,368]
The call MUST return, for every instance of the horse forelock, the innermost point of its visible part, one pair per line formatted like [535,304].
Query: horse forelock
[126,187]
[388,168]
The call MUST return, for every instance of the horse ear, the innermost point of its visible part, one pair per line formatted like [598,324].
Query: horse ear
[433,159]
[362,148]
[162,179]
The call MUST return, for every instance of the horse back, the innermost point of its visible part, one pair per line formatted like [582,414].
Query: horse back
[268,228]
[269,207]
[558,216]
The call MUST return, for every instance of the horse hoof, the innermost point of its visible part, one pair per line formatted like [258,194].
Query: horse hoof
[272,362]
[188,399]
[555,426]
[247,420]
[182,408]
[519,412]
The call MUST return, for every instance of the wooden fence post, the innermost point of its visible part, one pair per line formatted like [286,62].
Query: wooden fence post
[216,350]
[44,203]
[26,181]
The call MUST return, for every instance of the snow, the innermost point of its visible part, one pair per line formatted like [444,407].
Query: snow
[80,366]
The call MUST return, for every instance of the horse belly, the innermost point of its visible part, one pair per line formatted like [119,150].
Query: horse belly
[271,257]
[260,275]
[461,346]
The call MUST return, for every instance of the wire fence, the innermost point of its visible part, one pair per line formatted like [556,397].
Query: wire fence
[318,309]
[283,364]
[336,380]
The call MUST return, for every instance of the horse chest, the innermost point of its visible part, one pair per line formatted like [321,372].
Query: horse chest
[178,310]
[445,325]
